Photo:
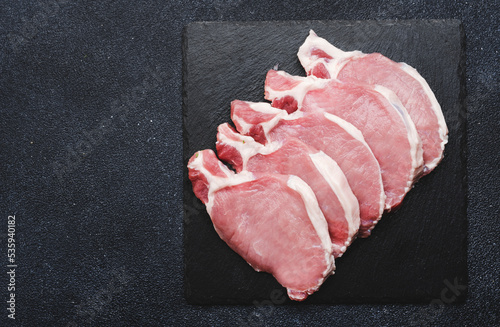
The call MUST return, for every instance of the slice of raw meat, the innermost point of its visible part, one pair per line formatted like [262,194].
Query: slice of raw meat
[374,110]
[322,59]
[273,221]
[334,136]
[293,157]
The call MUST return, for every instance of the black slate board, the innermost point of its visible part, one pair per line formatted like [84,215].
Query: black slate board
[415,252]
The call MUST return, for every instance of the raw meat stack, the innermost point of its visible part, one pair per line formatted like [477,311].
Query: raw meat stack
[319,165]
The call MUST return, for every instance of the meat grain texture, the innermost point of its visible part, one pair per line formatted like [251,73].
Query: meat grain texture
[317,166]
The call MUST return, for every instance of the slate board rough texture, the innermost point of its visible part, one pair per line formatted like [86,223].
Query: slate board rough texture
[413,252]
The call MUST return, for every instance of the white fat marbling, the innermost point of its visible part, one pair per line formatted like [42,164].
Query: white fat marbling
[245,145]
[265,107]
[356,133]
[316,216]
[299,92]
[216,183]
[335,65]
[443,128]
[414,140]
[335,177]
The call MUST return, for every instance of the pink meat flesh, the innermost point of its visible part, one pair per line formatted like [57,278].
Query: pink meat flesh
[382,119]
[323,60]
[293,157]
[266,221]
[338,139]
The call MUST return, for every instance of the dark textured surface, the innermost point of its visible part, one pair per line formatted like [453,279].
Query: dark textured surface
[413,250]
[104,246]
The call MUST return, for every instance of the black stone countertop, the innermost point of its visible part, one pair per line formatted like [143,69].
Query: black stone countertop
[91,162]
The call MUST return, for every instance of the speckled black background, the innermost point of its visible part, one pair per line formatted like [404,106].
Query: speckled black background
[104,79]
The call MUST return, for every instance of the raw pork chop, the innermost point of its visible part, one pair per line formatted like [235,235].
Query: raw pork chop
[272,221]
[322,59]
[328,133]
[374,110]
[293,157]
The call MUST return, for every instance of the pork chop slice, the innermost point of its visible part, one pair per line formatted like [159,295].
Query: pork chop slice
[330,134]
[374,110]
[273,221]
[320,58]
[292,157]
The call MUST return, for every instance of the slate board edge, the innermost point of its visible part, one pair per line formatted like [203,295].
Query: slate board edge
[462,119]
[187,27]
